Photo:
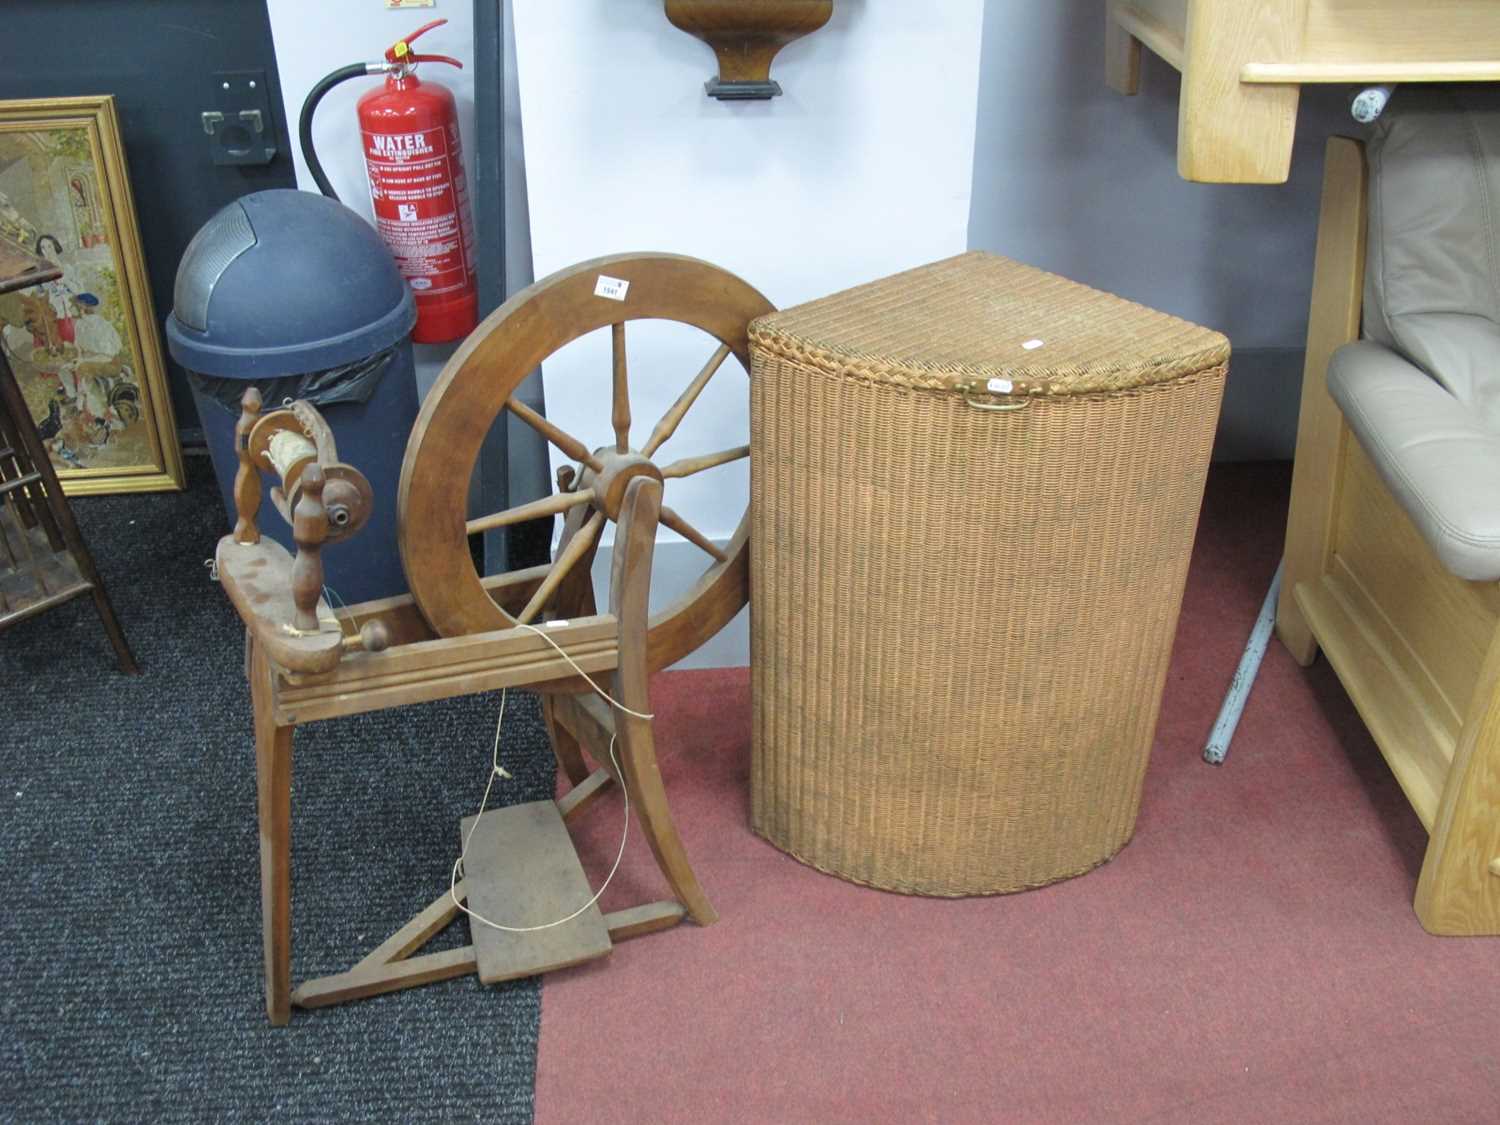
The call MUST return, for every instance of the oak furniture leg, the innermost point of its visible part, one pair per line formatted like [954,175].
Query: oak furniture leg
[630,582]
[1228,131]
[1122,55]
[1458,891]
[273,785]
[1333,320]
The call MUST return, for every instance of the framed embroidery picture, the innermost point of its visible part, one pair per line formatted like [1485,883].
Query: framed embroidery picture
[85,348]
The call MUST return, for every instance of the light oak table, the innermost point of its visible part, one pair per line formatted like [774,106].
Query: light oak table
[1244,63]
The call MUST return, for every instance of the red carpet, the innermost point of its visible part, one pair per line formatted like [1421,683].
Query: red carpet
[1251,956]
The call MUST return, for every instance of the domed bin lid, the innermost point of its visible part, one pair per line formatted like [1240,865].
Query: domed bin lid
[284,282]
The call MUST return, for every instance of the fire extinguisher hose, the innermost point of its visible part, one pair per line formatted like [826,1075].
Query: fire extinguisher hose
[310,105]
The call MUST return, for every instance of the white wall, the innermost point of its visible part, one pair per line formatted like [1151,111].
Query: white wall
[863,167]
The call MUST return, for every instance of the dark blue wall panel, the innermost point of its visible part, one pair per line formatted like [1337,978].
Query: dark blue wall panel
[158,59]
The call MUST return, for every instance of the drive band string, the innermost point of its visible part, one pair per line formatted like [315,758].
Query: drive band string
[497,770]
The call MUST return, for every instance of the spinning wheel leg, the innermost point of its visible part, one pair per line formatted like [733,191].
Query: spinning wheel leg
[565,748]
[629,589]
[649,801]
[574,598]
[273,785]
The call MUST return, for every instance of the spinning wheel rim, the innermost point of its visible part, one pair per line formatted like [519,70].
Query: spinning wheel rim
[474,389]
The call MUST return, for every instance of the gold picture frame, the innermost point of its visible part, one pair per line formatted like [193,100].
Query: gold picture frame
[86,349]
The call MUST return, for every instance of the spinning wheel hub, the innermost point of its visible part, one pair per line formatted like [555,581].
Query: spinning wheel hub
[618,470]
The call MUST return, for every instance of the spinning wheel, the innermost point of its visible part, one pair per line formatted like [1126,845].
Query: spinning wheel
[459,634]
[479,382]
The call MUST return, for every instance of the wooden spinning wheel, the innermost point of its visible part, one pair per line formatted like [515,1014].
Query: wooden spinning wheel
[479,382]
[458,634]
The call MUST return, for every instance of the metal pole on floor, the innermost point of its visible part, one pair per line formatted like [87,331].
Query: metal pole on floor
[1244,678]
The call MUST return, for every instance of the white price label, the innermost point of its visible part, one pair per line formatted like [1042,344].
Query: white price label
[999,386]
[612,287]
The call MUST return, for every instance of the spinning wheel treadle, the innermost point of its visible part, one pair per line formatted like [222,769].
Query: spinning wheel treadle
[479,382]
[533,876]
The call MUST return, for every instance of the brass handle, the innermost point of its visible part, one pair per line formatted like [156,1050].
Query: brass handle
[994,407]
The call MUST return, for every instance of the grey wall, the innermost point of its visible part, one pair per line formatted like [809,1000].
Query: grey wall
[1074,178]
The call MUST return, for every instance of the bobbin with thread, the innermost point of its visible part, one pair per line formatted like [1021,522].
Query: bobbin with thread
[286,441]
[289,454]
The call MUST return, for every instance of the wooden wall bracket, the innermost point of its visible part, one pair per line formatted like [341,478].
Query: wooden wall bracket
[745,36]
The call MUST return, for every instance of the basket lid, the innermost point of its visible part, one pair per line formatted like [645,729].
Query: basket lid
[980,322]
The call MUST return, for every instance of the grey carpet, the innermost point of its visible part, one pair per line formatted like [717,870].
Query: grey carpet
[129,893]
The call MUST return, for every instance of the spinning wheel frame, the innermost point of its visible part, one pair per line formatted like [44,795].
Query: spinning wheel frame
[477,384]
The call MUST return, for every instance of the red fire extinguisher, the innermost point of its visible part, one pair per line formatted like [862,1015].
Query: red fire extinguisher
[409,130]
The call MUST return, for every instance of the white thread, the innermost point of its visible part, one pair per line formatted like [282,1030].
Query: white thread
[458,864]
[560,652]
[334,596]
[497,770]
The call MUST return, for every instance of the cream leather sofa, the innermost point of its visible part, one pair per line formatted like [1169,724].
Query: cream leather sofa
[1393,539]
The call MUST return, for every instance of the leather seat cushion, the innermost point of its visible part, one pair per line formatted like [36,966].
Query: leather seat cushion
[1439,457]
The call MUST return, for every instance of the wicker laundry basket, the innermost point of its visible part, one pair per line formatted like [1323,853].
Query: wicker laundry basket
[962,615]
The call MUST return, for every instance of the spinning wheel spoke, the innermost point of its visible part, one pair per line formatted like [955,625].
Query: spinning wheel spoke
[560,438]
[670,420]
[691,533]
[690,465]
[572,551]
[621,415]
[546,506]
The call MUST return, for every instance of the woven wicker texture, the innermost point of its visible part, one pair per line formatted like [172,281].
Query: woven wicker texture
[969,319]
[962,620]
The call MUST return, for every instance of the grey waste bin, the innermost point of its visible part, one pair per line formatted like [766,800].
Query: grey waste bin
[296,294]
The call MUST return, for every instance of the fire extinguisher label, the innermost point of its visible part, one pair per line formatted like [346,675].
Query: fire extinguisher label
[421,204]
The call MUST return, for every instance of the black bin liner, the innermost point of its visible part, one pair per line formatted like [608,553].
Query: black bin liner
[348,382]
